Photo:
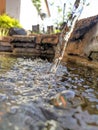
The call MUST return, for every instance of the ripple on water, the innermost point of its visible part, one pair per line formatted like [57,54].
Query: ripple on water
[25,90]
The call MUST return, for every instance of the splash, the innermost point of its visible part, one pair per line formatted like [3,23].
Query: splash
[66,33]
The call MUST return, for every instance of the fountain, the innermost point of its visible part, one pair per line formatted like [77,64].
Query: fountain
[29,97]
[66,33]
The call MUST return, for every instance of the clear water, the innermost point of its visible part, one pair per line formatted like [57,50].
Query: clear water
[26,90]
[75,13]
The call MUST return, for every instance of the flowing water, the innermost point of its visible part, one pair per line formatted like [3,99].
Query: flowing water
[66,33]
[26,91]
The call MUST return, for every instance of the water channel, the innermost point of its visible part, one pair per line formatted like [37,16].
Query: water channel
[26,91]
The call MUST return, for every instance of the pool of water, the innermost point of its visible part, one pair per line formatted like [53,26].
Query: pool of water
[26,90]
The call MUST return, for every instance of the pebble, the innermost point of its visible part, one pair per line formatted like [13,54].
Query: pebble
[60,99]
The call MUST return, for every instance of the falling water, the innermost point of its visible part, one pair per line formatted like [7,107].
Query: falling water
[66,33]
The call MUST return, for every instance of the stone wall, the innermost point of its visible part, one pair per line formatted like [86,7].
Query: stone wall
[35,45]
[84,39]
[82,43]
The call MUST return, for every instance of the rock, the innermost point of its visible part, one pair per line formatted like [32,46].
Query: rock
[60,100]
[13,110]
[52,125]
[53,39]
[66,99]
[48,114]
[17,31]
[5,39]
[5,45]
[5,48]
[47,38]
[27,51]
[23,39]
[84,38]
[68,94]
[3,97]
[93,56]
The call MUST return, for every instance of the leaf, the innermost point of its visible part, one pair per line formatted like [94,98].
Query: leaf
[87,4]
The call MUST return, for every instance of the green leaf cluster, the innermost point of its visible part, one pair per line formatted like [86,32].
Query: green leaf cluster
[4,31]
[37,4]
[8,22]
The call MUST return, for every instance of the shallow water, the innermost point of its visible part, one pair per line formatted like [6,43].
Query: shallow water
[26,90]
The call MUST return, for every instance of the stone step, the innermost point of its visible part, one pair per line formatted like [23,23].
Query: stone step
[23,45]
[47,38]
[22,39]
[4,43]
[39,45]
[5,46]
[6,39]
[26,50]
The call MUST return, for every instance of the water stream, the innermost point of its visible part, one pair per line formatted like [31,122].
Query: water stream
[26,91]
[66,33]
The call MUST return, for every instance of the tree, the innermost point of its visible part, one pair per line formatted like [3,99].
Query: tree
[37,4]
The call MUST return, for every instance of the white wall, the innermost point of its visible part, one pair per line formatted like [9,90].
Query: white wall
[13,8]
[28,14]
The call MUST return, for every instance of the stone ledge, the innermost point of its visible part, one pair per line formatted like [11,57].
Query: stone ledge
[80,61]
[5,49]
[26,50]
[23,45]
[22,39]
[47,38]
[5,39]
[5,46]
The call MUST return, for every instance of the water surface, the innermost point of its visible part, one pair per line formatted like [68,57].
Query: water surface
[26,90]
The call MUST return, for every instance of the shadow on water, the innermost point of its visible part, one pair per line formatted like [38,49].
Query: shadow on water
[26,90]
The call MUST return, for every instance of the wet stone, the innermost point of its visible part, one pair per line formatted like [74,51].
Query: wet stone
[68,94]
[52,124]
[3,97]
[28,90]
[22,39]
[48,115]
[58,101]
[66,99]
[13,110]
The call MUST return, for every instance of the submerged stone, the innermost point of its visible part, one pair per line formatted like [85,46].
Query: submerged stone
[29,108]
[66,99]
[68,94]
[61,99]
[3,97]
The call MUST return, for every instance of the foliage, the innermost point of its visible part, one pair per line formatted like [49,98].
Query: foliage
[63,11]
[7,22]
[57,30]
[37,4]
[4,31]
[58,20]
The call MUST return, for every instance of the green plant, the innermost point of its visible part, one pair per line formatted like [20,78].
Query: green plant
[4,31]
[37,4]
[7,22]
